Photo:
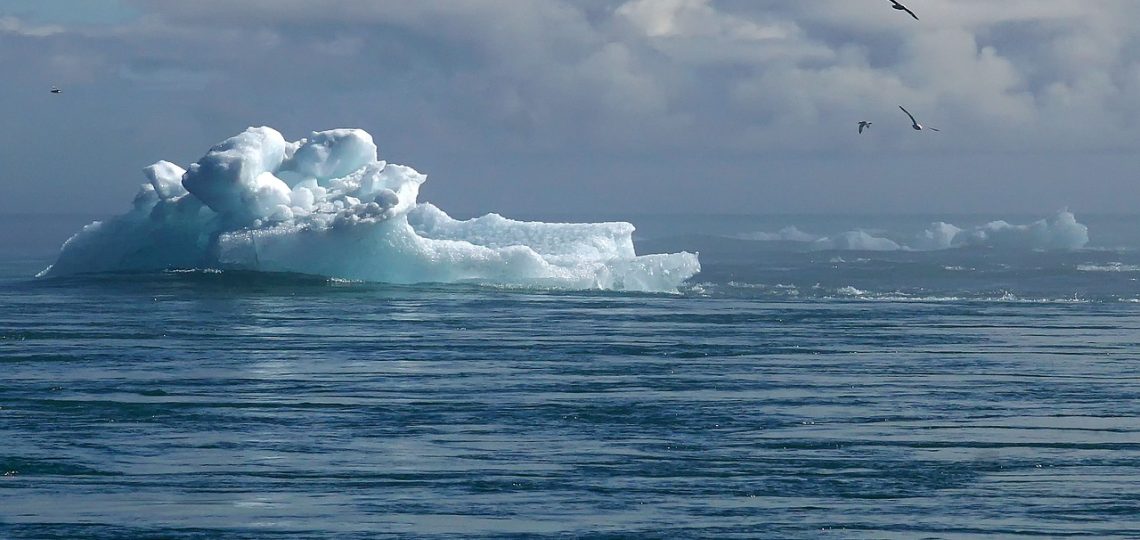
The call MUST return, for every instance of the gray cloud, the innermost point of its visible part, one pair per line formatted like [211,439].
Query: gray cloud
[740,97]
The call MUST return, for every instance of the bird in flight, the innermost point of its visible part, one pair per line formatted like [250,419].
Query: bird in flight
[895,4]
[914,123]
[56,90]
[864,124]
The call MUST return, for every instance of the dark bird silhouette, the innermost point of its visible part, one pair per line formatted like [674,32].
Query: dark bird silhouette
[900,7]
[864,124]
[56,90]
[914,123]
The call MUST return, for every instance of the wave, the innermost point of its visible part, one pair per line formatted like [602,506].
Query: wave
[326,206]
[817,292]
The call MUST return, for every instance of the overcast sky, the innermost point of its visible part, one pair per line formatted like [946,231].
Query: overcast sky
[554,107]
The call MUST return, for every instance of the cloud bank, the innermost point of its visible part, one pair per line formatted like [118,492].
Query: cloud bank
[653,90]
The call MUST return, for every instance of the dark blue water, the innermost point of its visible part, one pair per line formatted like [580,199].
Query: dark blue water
[785,393]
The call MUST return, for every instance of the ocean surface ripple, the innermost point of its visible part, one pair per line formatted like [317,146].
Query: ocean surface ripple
[208,404]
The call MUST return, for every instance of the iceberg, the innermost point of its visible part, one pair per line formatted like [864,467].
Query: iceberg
[1060,232]
[326,205]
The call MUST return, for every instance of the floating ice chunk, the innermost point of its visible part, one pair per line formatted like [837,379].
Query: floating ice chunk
[326,206]
[856,241]
[850,291]
[1059,232]
[940,235]
[787,234]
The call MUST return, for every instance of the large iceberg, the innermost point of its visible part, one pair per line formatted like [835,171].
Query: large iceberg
[325,205]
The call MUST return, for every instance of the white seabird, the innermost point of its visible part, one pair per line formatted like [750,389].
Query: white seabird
[864,124]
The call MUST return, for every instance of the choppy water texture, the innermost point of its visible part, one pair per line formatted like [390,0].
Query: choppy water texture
[786,393]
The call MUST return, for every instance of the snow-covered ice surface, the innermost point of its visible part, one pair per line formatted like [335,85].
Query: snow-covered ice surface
[326,205]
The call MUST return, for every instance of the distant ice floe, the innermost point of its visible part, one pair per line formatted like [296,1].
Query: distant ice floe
[325,205]
[1059,232]
[787,234]
[1109,267]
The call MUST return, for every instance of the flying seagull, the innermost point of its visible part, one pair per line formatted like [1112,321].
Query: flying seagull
[864,124]
[914,123]
[56,90]
[901,7]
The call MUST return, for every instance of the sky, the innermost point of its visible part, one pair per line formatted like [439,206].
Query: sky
[594,107]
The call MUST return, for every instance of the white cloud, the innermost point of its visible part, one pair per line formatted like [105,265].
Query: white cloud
[13,25]
[696,18]
[776,71]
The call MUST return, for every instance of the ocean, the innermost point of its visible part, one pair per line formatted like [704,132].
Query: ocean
[807,383]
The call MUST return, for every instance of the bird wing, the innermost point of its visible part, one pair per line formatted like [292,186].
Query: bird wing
[861,126]
[912,120]
[897,5]
[933,129]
